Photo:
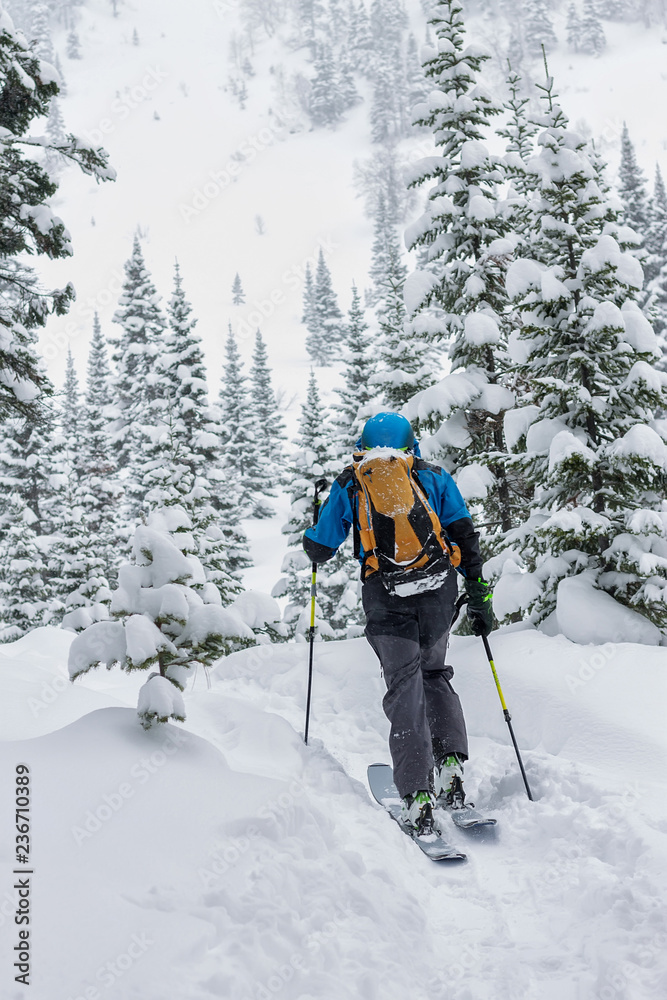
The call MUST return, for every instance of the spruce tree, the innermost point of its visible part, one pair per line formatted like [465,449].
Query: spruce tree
[459,291]
[592,37]
[403,361]
[162,615]
[384,115]
[632,187]
[24,591]
[181,385]
[538,29]
[519,132]
[27,223]
[416,85]
[242,459]
[360,38]
[98,464]
[55,130]
[357,395]
[326,100]
[40,32]
[269,424]
[73,45]
[238,295]
[573,27]
[309,318]
[593,453]
[27,467]
[135,386]
[345,81]
[326,318]
[311,460]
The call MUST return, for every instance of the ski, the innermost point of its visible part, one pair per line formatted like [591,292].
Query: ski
[385,793]
[463,814]
[467,817]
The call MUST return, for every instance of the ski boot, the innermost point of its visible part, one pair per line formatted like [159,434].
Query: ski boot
[417,812]
[448,782]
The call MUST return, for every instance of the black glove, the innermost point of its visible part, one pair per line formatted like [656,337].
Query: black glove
[480,608]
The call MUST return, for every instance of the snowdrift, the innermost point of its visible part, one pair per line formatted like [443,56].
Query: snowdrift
[225,859]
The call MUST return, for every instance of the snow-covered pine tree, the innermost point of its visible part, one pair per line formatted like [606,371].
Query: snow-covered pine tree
[326,100]
[656,245]
[573,27]
[238,295]
[388,22]
[73,45]
[97,463]
[86,551]
[61,76]
[24,591]
[310,14]
[243,461]
[40,32]
[415,81]
[357,395]
[162,617]
[538,29]
[404,361]
[135,386]
[26,466]
[656,239]
[519,132]
[592,451]
[347,88]
[311,461]
[339,582]
[618,10]
[269,425]
[309,317]
[181,386]
[327,326]
[458,291]
[360,39]
[27,224]
[632,187]
[592,37]
[385,111]
[55,130]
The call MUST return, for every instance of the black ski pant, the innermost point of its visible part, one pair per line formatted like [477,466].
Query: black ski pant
[410,637]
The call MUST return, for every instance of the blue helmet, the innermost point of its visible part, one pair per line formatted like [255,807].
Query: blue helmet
[388,430]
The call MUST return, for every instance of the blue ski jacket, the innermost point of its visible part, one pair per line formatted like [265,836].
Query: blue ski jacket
[340,513]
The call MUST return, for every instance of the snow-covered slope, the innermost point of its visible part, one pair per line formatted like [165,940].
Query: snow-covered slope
[225,859]
[194,169]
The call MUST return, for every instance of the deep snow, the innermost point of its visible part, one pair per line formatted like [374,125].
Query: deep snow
[225,859]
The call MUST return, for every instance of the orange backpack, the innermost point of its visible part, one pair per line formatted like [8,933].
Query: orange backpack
[399,531]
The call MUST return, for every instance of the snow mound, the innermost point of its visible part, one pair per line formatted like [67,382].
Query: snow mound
[586,615]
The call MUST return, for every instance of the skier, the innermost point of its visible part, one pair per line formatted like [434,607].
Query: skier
[409,591]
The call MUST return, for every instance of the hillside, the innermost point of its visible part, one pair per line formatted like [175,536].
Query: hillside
[225,859]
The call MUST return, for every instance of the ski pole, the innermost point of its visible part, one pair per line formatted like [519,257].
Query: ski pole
[463,599]
[320,485]
[508,717]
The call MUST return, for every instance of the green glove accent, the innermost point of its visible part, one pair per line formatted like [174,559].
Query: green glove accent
[480,606]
